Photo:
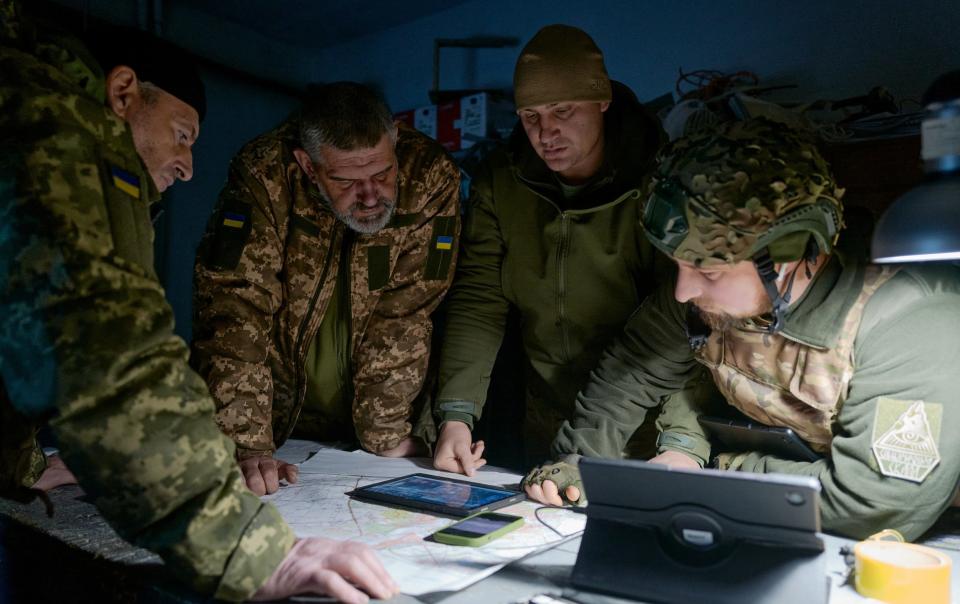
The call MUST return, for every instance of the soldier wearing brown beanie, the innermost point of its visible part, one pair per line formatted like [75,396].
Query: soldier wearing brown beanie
[552,231]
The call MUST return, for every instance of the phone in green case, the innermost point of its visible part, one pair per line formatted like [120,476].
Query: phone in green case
[476,530]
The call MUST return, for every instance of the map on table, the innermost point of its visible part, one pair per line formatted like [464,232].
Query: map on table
[317,507]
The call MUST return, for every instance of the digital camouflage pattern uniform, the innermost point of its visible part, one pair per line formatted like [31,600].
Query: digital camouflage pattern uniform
[261,291]
[86,337]
[863,368]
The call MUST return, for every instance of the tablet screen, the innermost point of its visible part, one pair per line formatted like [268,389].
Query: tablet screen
[436,491]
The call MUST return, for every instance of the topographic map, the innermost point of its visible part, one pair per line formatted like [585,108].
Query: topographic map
[317,507]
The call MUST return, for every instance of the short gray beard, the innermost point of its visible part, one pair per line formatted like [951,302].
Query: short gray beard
[368,227]
[365,227]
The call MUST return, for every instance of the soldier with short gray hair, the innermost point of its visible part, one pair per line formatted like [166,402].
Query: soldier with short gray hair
[797,331]
[332,243]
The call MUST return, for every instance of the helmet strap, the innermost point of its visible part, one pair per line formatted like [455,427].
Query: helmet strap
[768,276]
[810,258]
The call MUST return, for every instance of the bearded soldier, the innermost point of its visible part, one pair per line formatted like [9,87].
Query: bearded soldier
[332,243]
[797,331]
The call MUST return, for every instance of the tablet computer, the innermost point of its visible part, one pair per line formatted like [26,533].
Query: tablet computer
[660,534]
[450,496]
[735,435]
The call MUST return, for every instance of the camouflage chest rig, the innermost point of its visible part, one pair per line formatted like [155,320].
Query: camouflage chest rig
[781,382]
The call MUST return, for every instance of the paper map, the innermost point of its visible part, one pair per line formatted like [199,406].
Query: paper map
[317,507]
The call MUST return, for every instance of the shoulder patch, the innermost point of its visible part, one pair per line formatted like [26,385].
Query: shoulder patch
[440,254]
[125,181]
[231,229]
[906,438]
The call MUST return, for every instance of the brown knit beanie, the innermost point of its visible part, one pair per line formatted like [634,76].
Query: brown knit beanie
[560,63]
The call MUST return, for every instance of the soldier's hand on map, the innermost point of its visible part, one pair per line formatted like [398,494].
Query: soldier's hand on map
[343,570]
[545,483]
[456,451]
[56,474]
[408,447]
[676,459]
[264,473]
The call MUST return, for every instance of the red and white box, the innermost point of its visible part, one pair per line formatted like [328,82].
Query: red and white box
[423,119]
[461,123]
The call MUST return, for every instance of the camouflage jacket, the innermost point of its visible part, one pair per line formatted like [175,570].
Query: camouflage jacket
[866,356]
[575,269]
[86,336]
[261,291]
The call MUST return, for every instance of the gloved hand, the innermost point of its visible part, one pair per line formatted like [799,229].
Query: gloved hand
[556,482]
[729,461]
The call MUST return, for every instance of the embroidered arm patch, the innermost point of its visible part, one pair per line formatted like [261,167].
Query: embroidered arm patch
[231,232]
[440,256]
[906,438]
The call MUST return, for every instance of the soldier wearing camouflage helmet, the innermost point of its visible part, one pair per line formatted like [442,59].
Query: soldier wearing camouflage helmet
[86,336]
[797,330]
[332,243]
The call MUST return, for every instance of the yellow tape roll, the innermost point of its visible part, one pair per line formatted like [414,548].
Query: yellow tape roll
[902,573]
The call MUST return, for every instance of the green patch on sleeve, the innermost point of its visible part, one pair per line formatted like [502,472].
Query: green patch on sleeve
[378,266]
[442,247]
[906,438]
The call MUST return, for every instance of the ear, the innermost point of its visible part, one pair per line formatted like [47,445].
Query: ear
[604,106]
[123,89]
[306,164]
[783,269]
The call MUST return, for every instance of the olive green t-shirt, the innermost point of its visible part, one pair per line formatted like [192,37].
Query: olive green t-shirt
[326,414]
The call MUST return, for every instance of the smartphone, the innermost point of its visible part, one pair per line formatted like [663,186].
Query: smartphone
[478,529]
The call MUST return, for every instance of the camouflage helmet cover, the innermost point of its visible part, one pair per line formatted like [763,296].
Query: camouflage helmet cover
[723,195]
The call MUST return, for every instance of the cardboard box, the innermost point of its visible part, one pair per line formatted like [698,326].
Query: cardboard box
[460,124]
[423,119]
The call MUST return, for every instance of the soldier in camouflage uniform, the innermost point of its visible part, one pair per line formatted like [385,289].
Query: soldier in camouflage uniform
[859,360]
[86,337]
[331,245]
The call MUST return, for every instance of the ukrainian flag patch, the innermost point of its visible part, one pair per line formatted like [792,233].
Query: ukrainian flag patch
[125,181]
[234,221]
[439,254]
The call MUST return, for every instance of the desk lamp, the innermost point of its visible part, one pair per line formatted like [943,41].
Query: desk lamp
[924,223]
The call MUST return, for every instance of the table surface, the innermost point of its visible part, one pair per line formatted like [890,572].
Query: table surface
[77,526]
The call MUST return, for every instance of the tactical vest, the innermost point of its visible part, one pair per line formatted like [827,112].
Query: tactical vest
[782,382]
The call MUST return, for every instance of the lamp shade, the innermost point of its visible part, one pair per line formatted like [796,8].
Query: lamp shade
[922,225]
